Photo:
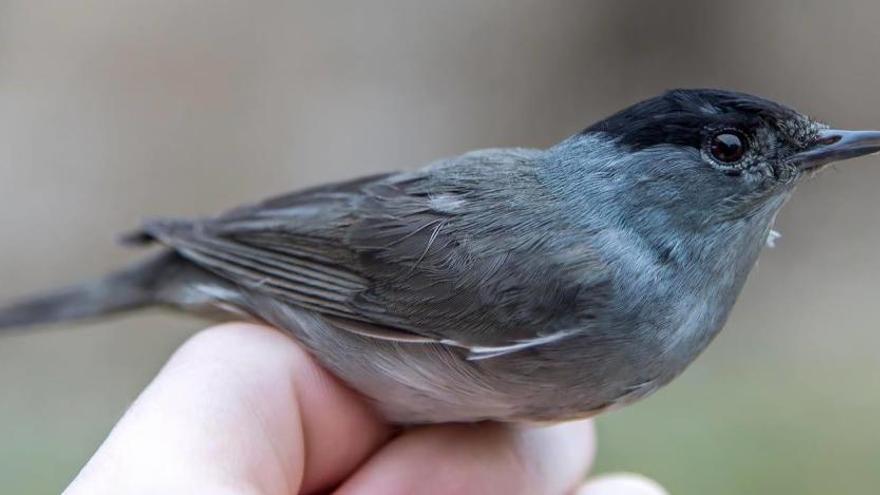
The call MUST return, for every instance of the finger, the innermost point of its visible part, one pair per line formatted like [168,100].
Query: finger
[238,408]
[482,459]
[622,484]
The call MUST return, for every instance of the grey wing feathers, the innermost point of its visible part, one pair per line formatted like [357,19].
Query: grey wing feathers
[419,257]
[289,275]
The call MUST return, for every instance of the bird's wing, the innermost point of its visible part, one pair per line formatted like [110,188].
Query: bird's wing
[455,253]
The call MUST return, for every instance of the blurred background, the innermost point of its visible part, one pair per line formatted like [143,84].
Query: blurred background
[112,110]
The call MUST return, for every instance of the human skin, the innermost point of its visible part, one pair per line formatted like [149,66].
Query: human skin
[241,409]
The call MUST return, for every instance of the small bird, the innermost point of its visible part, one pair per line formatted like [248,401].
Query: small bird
[503,284]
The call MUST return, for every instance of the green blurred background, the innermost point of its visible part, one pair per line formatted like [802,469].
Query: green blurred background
[111,110]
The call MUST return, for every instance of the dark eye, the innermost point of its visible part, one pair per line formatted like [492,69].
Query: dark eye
[728,146]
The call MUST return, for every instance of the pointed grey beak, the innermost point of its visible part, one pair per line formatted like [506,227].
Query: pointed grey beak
[833,145]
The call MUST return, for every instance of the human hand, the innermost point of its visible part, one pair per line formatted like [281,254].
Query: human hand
[241,409]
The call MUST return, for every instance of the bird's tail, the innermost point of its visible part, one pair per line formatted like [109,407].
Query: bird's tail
[131,288]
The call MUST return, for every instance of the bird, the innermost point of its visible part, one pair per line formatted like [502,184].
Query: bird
[512,285]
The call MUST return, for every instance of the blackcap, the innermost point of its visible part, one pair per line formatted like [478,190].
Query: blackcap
[502,284]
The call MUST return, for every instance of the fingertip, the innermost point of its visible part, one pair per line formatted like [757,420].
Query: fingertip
[622,484]
[205,418]
[561,454]
[339,429]
[234,338]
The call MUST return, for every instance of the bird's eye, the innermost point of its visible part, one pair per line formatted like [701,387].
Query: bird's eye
[728,146]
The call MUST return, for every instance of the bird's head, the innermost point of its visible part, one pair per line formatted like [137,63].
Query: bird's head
[708,155]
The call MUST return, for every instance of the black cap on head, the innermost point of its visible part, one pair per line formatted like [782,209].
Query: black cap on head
[681,116]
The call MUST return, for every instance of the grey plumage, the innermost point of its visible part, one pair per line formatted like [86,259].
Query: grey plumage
[506,284]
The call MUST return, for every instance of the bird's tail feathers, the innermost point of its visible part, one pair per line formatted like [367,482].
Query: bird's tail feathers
[130,288]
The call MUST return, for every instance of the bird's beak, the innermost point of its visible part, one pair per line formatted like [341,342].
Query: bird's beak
[833,145]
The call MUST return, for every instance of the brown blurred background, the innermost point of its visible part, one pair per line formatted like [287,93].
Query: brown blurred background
[112,110]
